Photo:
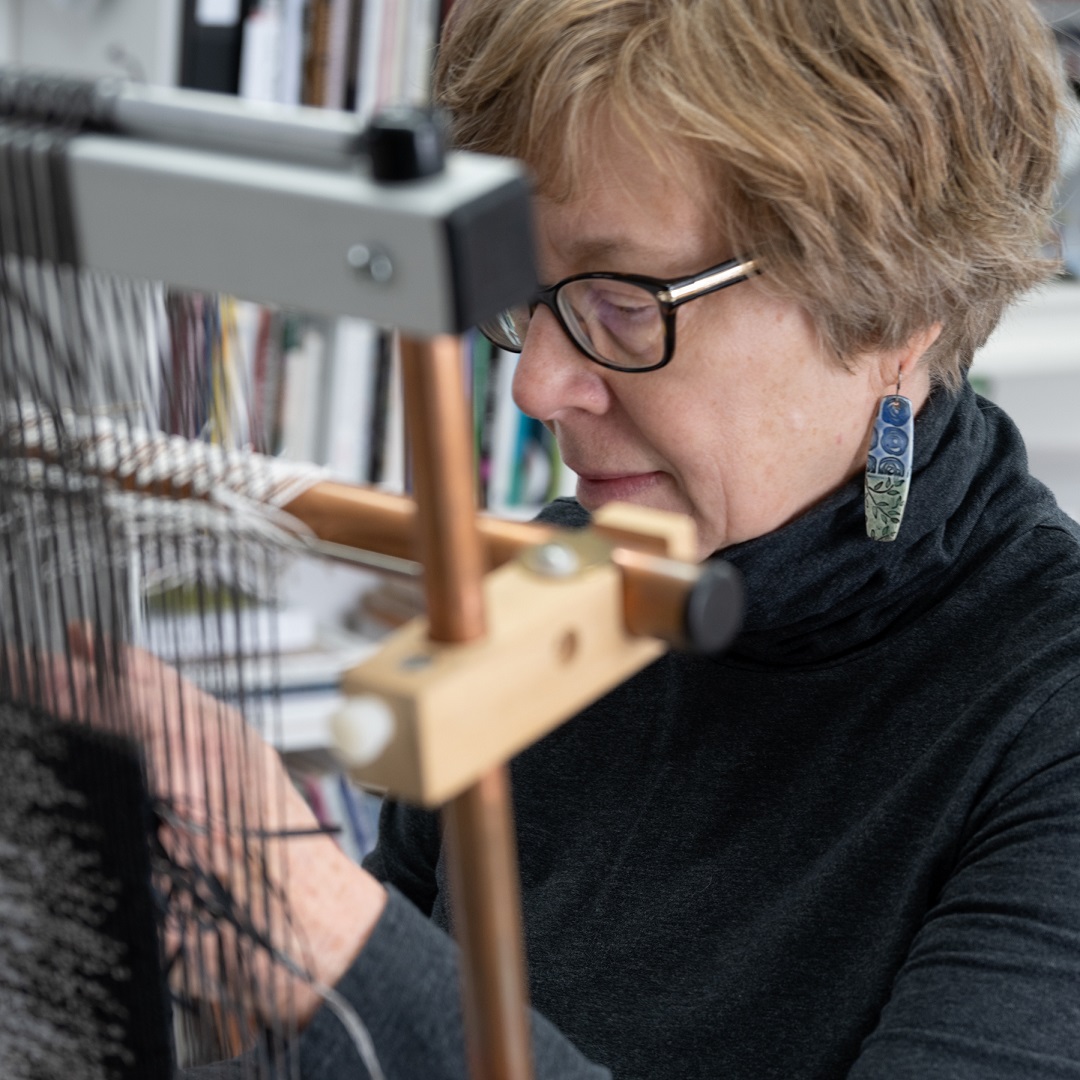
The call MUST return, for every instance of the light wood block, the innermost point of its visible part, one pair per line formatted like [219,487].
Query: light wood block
[553,646]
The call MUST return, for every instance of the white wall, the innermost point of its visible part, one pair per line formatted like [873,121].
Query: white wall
[1031,368]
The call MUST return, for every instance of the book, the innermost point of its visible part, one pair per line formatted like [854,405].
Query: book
[350,398]
[394,28]
[178,634]
[260,53]
[316,49]
[388,418]
[380,406]
[419,52]
[352,55]
[505,424]
[291,53]
[303,368]
[349,814]
[370,58]
[211,40]
[393,472]
[338,50]
[314,669]
[484,363]
[266,384]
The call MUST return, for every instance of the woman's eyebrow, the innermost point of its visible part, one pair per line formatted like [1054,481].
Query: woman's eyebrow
[587,253]
[587,249]
[584,253]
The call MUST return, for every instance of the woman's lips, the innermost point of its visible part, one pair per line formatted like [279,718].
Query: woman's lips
[594,491]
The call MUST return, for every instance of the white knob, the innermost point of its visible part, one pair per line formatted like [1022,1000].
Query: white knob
[362,728]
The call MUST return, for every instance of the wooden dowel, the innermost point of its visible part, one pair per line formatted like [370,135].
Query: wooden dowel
[480,835]
[655,588]
[358,517]
[655,592]
[372,520]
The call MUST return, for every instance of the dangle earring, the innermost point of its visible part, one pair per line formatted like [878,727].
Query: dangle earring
[888,468]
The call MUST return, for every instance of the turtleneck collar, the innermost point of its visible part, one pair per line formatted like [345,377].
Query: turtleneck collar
[818,588]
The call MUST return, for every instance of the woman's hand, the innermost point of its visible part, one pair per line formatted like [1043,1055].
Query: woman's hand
[231,816]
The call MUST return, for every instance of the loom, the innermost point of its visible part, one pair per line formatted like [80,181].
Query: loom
[108,191]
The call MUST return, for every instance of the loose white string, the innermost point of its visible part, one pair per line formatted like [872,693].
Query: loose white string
[153,459]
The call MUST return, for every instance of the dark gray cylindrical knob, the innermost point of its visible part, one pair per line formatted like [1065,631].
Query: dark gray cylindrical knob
[714,608]
[406,144]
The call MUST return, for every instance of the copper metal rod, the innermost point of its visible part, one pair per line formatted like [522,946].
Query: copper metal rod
[487,921]
[480,834]
[438,425]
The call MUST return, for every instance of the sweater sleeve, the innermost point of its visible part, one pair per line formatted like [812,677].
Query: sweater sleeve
[405,988]
[990,989]
[405,984]
[407,853]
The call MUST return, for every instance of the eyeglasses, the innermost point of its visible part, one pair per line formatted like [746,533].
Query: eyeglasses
[621,321]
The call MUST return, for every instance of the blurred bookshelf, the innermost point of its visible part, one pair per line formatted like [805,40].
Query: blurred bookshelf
[1039,336]
[1031,368]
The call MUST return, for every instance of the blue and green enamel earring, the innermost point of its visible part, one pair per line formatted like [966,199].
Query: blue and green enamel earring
[888,468]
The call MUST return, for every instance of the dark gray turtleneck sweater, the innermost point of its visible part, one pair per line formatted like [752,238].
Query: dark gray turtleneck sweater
[848,848]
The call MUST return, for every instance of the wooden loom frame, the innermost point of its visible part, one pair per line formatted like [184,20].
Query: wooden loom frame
[525,625]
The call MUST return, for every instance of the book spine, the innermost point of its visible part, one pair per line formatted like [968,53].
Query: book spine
[337,53]
[303,373]
[370,58]
[260,59]
[504,434]
[290,85]
[315,57]
[210,44]
[350,402]
[381,407]
[395,468]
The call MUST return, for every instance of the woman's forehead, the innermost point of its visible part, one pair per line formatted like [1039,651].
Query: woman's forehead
[635,219]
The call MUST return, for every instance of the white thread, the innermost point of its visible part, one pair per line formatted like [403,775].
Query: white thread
[349,1017]
[154,459]
[235,494]
[354,1026]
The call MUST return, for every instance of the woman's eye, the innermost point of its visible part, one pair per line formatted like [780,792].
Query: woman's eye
[623,306]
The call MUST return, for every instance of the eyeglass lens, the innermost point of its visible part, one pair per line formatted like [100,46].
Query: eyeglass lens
[614,321]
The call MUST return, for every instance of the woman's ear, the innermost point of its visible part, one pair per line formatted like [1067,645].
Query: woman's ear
[902,364]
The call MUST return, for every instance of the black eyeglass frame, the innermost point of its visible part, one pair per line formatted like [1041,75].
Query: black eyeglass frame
[669,295]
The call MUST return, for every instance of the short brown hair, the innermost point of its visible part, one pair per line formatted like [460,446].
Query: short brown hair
[892,162]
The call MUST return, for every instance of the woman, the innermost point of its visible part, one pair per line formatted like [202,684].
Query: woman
[850,847]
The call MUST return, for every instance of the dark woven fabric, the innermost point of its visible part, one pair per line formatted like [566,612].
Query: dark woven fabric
[81,986]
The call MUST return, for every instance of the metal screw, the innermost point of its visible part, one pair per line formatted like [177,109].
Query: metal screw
[358,256]
[376,264]
[381,268]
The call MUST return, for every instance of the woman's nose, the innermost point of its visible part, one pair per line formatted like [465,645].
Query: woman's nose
[552,374]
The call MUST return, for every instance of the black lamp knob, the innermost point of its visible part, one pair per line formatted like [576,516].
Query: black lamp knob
[406,144]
